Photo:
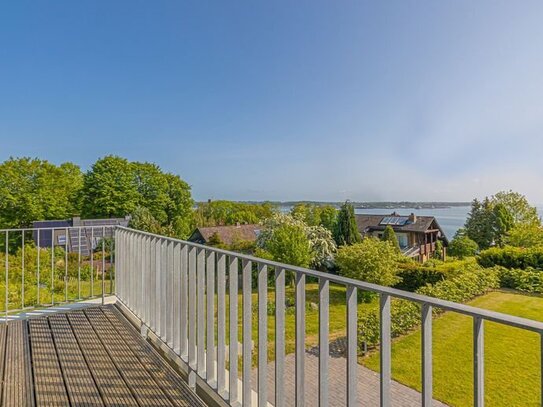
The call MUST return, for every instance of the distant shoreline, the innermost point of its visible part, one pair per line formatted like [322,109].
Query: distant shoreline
[374,205]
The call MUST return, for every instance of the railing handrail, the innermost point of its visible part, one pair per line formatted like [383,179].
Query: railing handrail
[493,316]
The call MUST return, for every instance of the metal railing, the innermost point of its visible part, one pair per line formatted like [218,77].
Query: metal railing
[44,267]
[178,290]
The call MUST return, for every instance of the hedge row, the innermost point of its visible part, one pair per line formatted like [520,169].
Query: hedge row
[405,315]
[529,280]
[512,257]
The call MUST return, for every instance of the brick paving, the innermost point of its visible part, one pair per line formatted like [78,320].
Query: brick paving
[368,383]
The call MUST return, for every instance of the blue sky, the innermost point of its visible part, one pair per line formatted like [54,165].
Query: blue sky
[281,100]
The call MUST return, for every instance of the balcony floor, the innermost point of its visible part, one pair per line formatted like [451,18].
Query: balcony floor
[90,357]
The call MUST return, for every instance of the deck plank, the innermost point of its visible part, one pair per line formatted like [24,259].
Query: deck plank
[170,382]
[82,390]
[48,380]
[113,388]
[18,389]
[145,389]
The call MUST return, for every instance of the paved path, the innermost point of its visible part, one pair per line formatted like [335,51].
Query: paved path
[368,384]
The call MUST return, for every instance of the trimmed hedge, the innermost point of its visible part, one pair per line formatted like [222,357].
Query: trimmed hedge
[512,257]
[529,280]
[405,315]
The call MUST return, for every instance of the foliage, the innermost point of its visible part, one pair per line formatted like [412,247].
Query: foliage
[308,245]
[390,236]
[512,257]
[215,240]
[221,213]
[286,242]
[142,219]
[528,280]
[415,275]
[490,220]
[316,215]
[438,254]
[372,260]
[525,236]
[116,187]
[33,189]
[405,315]
[462,246]
[346,232]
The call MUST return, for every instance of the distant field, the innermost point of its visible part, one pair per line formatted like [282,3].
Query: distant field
[512,356]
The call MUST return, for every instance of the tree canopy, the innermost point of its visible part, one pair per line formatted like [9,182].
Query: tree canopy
[316,215]
[224,213]
[346,232]
[462,246]
[34,189]
[390,236]
[491,219]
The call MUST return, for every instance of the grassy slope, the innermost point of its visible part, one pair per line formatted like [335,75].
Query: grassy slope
[512,356]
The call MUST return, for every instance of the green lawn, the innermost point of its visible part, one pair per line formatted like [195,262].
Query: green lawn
[512,356]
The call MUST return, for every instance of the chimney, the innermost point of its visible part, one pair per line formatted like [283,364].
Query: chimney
[412,218]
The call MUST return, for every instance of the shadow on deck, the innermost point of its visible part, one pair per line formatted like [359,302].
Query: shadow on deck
[90,357]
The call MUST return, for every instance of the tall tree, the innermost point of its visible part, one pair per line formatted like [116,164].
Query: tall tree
[109,188]
[346,232]
[33,189]
[480,224]
[390,236]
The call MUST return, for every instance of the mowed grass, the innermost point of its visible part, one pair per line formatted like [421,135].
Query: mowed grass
[512,356]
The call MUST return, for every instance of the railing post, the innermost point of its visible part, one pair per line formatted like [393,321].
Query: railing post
[247,333]
[324,349]
[233,347]
[300,339]
[478,362]
[38,269]
[426,352]
[352,333]
[23,269]
[262,335]
[210,317]
[280,337]
[221,324]
[7,276]
[385,349]
[103,263]
[192,311]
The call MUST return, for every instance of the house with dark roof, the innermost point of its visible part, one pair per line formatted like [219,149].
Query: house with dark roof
[75,233]
[226,234]
[417,235]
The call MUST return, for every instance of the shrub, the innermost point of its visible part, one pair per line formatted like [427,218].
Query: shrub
[405,315]
[462,246]
[373,261]
[512,257]
[529,280]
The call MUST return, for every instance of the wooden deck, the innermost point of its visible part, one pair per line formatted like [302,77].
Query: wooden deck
[90,357]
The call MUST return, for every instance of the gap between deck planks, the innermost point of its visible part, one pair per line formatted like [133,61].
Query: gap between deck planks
[90,357]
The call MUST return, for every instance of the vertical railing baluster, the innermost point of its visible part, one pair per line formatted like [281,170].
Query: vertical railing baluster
[184,301]
[280,337]
[221,323]
[210,319]
[385,350]
[247,333]
[233,331]
[176,269]
[66,265]
[7,276]
[192,308]
[478,362]
[53,267]
[352,363]
[158,285]
[79,263]
[23,269]
[262,335]
[104,263]
[200,270]
[426,352]
[300,340]
[170,296]
[91,250]
[38,269]
[324,351]
[152,283]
